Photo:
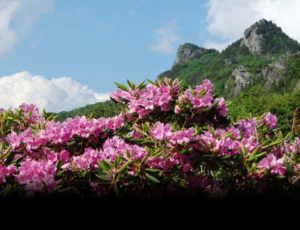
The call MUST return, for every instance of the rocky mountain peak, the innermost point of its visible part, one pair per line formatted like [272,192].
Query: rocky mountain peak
[265,37]
[187,52]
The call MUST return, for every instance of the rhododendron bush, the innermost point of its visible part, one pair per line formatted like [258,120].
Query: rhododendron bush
[167,140]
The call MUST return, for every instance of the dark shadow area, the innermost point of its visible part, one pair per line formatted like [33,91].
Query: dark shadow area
[176,210]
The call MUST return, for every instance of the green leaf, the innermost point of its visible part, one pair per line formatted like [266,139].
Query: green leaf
[91,115]
[229,103]
[152,82]
[131,84]
[102,177]
[244,150]
[276,142]
[10,118]
[72,143]
[121,86]
[152,178]
[153,170]
[185,151]
[288,136]
[141,85]
[124,166]
[61,174]
[253,154]
[117,161]
[257,156]
[142,141]
[105,165]
[67,189]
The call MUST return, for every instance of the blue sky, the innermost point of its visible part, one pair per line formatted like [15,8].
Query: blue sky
[98,42]
[73,50]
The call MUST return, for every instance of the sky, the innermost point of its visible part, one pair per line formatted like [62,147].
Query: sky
[65,54]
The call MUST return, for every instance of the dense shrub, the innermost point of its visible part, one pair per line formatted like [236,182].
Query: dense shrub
[257,101]
[168,140]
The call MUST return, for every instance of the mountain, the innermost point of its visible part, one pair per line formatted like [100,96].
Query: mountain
[264,37]
[264,55]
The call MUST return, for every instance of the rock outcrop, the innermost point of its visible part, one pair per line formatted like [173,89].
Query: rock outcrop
[239,80]
[187,52]
[272,74]
[253,41]
[265,37]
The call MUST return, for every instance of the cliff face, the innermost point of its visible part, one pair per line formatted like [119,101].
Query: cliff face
[265,37]
[253,41]
[238,80]
[187,52]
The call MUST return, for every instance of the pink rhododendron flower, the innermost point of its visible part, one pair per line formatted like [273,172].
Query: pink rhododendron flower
[201,97]
[247,127]
[37,176]
[6,171]
[221,107]
[182,136]
[64,156]
[273,164]
[136,135]
[116,146]
[270,120]
[160,131]
[31,113]
[119,95]
[228,147]
[207,142]
[166,163]
[89,159]
[235,133]
[250,144]
[13,139]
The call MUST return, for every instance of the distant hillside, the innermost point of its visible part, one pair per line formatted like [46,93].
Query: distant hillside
[100,109]
[265,55]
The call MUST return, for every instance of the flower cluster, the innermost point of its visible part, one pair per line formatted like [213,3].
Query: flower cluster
[270,120]
[56,133]
[161,131]
[166,136]
[201,96]
[144,101]
[5,172]
[36,175]
[273,164]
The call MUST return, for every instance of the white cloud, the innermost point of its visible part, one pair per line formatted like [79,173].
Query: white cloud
[54,94]
[215,45]
[166,38]
[228,19]
[16,17]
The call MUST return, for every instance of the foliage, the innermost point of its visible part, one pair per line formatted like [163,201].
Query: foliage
[100,109]
[218,67]
[257,101]
[168,139]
